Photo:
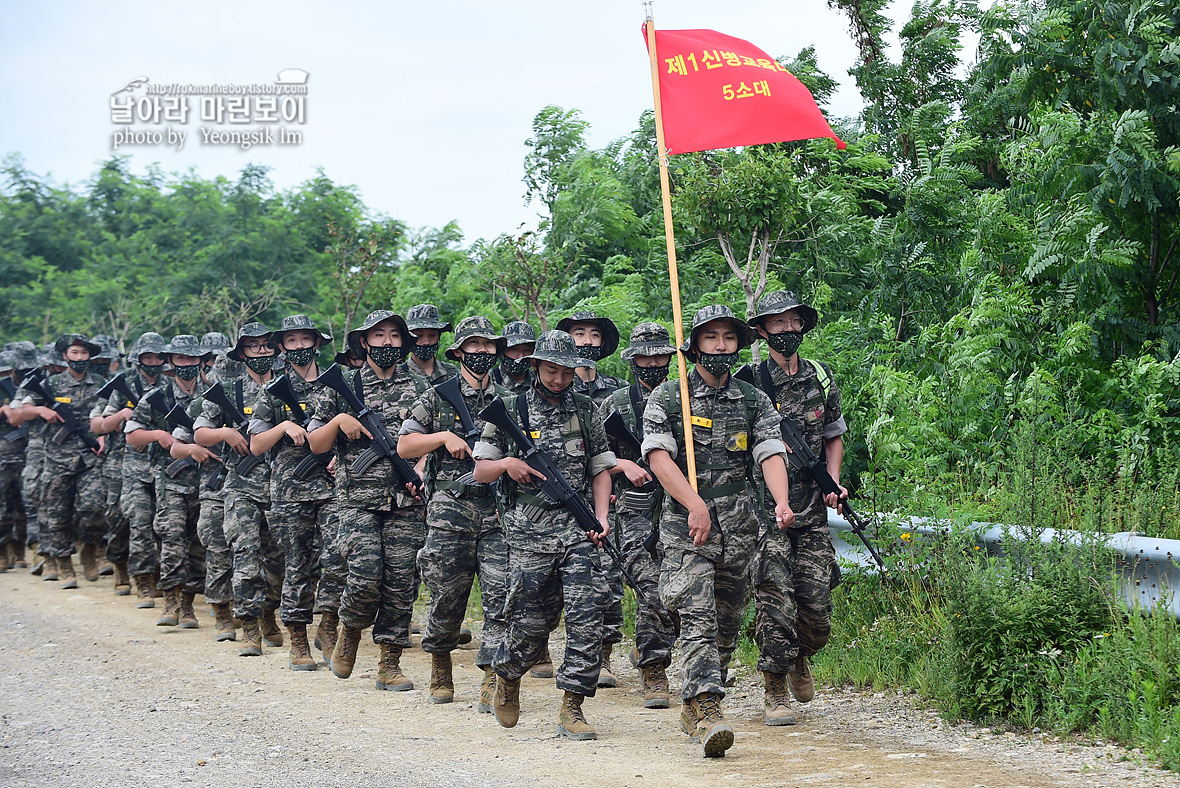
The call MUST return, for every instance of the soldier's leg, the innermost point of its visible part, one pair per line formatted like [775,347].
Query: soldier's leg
[655,629]
[333,569]
[492,558]
[219,562]
[585,591]
[813,565]
[195,581]
[139,504]
[90,507]
[774,603]
[534,587]
[447,565]
[243,533]
[403,534]
[686,587]
[30,478]
[295,523]
[118,526]
[169,527]
[59,491]
[272,559]
[360,541]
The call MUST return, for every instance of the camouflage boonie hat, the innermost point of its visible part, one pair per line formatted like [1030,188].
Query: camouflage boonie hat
[108,348]
[47,356]
[648,339]
[66,340]
[707,315]
[6,364]
[184,345]
[425,316]
[475,326]
[248,331]
[610,333]
[23,354]
[296,323]
[149,342]
[215,342]
[558,347]
[354,336]
[519,332]
[783,301]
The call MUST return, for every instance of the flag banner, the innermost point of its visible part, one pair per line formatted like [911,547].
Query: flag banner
[717,91]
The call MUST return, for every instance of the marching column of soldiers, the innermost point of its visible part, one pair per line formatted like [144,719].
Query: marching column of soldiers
[241,470]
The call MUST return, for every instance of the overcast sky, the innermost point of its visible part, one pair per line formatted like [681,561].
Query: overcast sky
[423,106]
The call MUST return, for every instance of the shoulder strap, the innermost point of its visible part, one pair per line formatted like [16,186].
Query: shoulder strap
[138,385]
[636,406]
[358,385]
[238,395]
[584,409]
[522,414]
[821,375]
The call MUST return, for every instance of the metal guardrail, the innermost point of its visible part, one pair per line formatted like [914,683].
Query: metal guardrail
[1149,569]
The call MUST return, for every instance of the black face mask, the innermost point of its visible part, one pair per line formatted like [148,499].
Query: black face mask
[717,364]
[785,343]
[548,392]
[152,370]
[479,363]
[260,365]
[301,357]
[99,366]
[425,352]
[515,367]
[79,366]
[652,376]
[386,357]
[592,352]
[187,373]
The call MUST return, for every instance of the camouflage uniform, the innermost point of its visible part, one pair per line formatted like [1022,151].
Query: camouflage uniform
[382,527]
[463,537]
[516,333]
[551,563]
[734,428]
[426,316]
[12,462]
[31,476]
[794,569]
[118,526]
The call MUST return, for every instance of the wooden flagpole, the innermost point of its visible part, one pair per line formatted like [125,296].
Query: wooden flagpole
[670,240]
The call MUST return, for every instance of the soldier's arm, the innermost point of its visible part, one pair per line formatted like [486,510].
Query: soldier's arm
[329,422]
[207,432]
[265,432]
[419,435]
[182,446]
[492,461]
[659,449]
[139,432]
[769,451]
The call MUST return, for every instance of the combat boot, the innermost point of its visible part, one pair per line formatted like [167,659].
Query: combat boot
[571,721]
[188,616]
[90,563]
[389,672]
[713,732]
[543,669]
[223,622]
[801,681]
[143,586]
[38,565]
[171,615]
[18,556]
[655,686]
[634,655]
[465,636]
[690,721]
[344,656]
[51,569]
[507,702]
[606,677]
[776,702]
[154,579]
[300,656]
[272,635]
[251,639]
[327,633]
[122,581]
[442,683]
[487,691]
[105,568]
[69,580]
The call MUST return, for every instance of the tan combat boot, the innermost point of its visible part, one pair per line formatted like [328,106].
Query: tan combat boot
[801,681]
[713,732]
[776,703]
[17,558]
[327,633]
[634,655]
[90,562]
[143,587]
[442,683]
[154,579]
[389,671]
[171,615]
[300,657]
[655,686]
[105,568]
[690,721]
[507,702]
[69,580]
[188,616]
[571,722]
[122,580]
[487,691]
[606,677]
[272,635]
[223,622]
[344,656]
[50,569]
[38,565]
[251,638]
[543,669]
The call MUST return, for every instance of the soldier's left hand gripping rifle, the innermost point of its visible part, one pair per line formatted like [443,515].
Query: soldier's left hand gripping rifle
[802,458]
[69,422]
[232,413]
[313,463]
[159,406]
[178,418]
[383,445]
[555,486]
[450,391]
[21,432]
[617,429]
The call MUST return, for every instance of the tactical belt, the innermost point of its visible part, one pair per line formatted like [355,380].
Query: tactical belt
[525,499]
[474,489]
[711,493]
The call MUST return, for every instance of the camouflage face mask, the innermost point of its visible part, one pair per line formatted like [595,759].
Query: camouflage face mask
[425,352]
[385,357]
[260,365]
[187,373]
[301,357]
[479,363]
[514,367]
[652,376]
[152,370]
[786,343]
[592,352]
[79,366]
[717,364]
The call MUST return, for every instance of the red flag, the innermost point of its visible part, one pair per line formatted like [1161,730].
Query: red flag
[717,91]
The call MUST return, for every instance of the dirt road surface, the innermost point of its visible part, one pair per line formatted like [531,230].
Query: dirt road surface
[92,693]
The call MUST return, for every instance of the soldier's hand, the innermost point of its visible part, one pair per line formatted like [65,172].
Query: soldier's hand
[332,465]
[102,445]
[456,446]
[166,440]
[635,473]
[237,442]
[784,516]
[699,525]
[297,434]
[50,415]
[200,453]
[521,472]
[833,501]
[598,538]
[352,429]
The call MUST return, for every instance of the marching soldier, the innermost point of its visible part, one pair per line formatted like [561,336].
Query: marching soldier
[12,462]
[426,327]
[514,373]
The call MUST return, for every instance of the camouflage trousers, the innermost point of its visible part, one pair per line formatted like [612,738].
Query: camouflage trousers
[258,558]
[333,567]
[219,561]
[74,498]
[13,525]
[300,527]
[30,487]
[708,586]
[463,539]
[612,615]
[182,558]
[792,574]
[655,627]
[118,526]
[138,502]
[539,583]
[381,551]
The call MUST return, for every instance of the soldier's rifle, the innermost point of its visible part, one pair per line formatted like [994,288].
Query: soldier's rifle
[21,432]
[617,428]
[69,421]
[450,391]
[119,383]
[233,415]
[159,405]
[313,463]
